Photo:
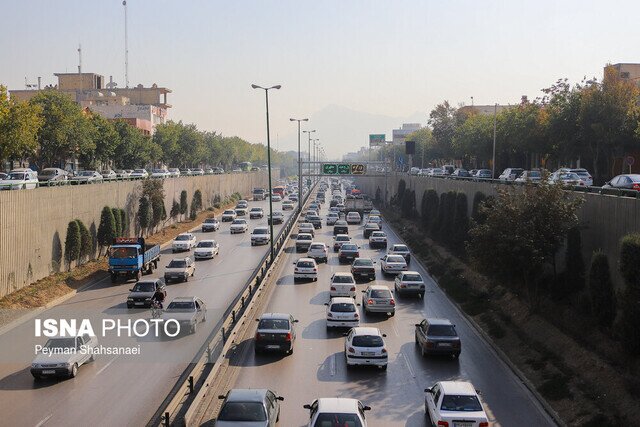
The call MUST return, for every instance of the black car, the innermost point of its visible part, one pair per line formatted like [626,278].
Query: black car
[437,336]
[210,224]
[369,228]
[348,252]
[363,268]
[315,220]
[278,218]
[340,227]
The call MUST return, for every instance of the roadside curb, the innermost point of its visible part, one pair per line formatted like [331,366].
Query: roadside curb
[496,349]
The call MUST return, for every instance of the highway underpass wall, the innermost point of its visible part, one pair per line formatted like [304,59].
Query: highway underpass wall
[33,223]
[604,219]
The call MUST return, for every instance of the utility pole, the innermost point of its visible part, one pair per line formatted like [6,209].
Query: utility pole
[493,162]
[299,165]
[126,47]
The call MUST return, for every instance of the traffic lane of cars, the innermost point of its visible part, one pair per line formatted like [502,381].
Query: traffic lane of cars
[397,396]
[217,281]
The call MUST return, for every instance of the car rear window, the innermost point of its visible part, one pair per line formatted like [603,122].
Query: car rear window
[242,411]
[380,293]
[349,247]
[412,278]
[337,420]
[343,307]
[177,264]
[342,239]
[454,402]
[442,331]
[377,234]
[367,341]
[304,237]
[400,248]
[305,264]
[395,258]
[273,324]
[316,246]
[363,263]
[342,279]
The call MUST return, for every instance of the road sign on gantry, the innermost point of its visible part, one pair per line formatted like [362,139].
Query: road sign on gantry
[329,169]
[358,169]
[344,168]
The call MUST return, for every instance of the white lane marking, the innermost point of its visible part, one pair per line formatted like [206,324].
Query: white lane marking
[332,365]
[395,329]
[409,368]
[41,423]
[107,365]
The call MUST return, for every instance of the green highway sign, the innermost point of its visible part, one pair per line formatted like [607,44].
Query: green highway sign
[329,169]
[344,168]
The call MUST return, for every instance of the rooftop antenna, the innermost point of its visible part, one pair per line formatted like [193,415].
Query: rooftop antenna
[126,49]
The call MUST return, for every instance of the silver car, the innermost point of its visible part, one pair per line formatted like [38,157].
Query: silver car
[378,299]
[249,407]
[187,312]
[62,356]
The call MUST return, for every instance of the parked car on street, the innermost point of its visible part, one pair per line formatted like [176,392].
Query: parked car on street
[483,174]
[108,175]
[510,174]
[460,173]
[159,173]
[533,176]
[87,177]
[139,174]
[52,176]
[566,178]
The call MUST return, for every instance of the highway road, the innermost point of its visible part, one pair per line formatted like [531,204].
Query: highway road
[317,367]
[123,390]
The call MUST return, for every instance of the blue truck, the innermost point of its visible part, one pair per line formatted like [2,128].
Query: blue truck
[130,257]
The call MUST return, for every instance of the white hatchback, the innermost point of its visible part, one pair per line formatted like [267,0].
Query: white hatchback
[318,251]
[342,285]
[337,411]
[342,312]
[365,346]
[305,268]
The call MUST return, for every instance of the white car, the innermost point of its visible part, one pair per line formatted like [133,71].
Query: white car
[393,264]
[62,358]
[342,285]
[179,269]
[206,249]
[159,173]
[332,217]
[229,215]
[342,312]
[87,177]
[340,207]
[374,212]
[305,268]
[337,411]
[318,251]
[139,174]
[306,227]
[376,219]
[353,218]
[20,179]
[239,226]
[197,171]
[241,211]
[276,198]
[260,236]
[183,242]
[365,346]
[409,282]
[303,241]
[174,172]
[399,249]
[108,175]
[378,239]
[448,402]
[287,205]
[339,240]
[256,213]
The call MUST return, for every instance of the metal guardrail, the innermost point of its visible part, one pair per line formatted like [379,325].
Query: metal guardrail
[172,409]
[577,188]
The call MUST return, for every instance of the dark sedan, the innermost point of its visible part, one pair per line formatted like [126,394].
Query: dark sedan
[348,252]
[438,336]
[363,268]
[340,227]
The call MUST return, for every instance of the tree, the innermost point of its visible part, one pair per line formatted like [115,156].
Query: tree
[437,224]
[429,208]
[408,203]
[124,223]
[183,202]
[447,229]
[86,242]
[197,199]
[194,213]
[72,243]
[118,222]
[402,185]
[601,292]
[106,229]
[144,215]
[574,264]
[629,327]
[524,230]
[20,123]
[135,148]
[106,141]
[159,213]
[175,210]
[478,199]
[460,223]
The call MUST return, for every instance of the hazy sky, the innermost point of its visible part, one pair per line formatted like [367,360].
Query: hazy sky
[387,57]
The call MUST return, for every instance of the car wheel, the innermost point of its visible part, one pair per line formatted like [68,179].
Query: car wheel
[384,367]
[423,352]
[37,377]
[194,328]
[74,371]
[186,278]
[421,295]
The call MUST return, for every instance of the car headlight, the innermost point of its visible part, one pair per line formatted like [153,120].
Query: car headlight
[129,299]
[147,299]
[66,364]
[35,365]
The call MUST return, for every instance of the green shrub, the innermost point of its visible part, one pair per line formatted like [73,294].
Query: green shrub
[478,199]
[601,293]
[107,228]
[183,202]
[629,327]
[144,215]
[429,210]
[175,210]
[124,223]
[436,226]
[72,243]
[460,223]
[574,264]
[630,259]
[118,221]
[86,242]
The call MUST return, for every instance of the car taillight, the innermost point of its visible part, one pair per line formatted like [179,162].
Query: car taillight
[370,301]
[329,314]
[356,315]
[483,424]
[288,337]
[351,350]
[333,288]
[353,289]
[443,424]
[392,302]
[315,269]
[384,350]
[636,187]
[430,344]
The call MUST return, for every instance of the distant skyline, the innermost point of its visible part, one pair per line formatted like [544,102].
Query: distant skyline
[392,59]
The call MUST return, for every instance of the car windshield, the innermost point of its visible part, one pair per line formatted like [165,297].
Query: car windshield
[274,324]
[210,221]
[377,234]
[183,237]
[412,278]
[184,306]
[400,248]
[239,221]
[372,225]
[380,293]
[367,341]
[86,173]
[305,264]
[332,215]
[205,245]
[242,411]
[177,263]
[363,263]
[395,258]
[343,279]
[339,223]
[139,171]
[144,287]
[260,231]
[229,212]
[442,331]
[568,176]
[454,402]
[304,237]
[534,174]
[319,246]
[124,252]
[349,247]
[61,343]
[343,307]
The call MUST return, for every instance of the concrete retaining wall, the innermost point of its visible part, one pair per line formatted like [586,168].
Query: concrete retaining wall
[33,223]
[605,219]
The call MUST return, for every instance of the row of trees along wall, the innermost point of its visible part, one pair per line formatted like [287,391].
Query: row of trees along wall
[514,237]
[34,223]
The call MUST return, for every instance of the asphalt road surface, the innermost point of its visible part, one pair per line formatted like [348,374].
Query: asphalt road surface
[317,367]
[123,390]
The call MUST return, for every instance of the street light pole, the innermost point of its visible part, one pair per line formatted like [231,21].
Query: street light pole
[493,162]
[309,132]
[299,165]
[266,94]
